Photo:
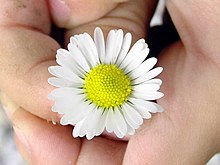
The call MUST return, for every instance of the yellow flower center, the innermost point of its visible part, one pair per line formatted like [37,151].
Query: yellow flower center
[107,86]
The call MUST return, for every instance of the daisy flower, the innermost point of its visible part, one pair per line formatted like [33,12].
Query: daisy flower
[105,85]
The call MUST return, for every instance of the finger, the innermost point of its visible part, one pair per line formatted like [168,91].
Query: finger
[101,151]
[68,13]
[165,142]
[131,16]
[25,50]
[183,133]
[41,142]
[25,57]
[197,23]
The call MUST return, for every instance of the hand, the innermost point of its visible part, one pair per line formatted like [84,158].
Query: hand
[185,133]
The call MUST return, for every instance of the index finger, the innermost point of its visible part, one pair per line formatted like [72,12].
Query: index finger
[26,51]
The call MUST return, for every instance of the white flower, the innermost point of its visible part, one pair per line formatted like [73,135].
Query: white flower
[105,85]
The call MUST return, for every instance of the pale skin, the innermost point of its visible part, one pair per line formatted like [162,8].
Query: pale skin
[186,133]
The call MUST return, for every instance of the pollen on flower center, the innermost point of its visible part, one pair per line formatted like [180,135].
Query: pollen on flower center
[107,86]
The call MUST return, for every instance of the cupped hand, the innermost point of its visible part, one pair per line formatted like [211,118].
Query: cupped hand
[186,133]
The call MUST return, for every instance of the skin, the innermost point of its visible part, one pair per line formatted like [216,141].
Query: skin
[187,132]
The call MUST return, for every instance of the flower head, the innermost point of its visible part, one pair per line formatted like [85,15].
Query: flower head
[105,86]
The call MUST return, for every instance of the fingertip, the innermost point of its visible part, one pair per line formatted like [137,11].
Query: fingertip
[60,11]
[41,142]
[8,106]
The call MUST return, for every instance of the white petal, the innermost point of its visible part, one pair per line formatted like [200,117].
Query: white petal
[65,120]
[81,111]
[102,123]
[83,127]
[62,72]
[148,95]
[144,67]
[100,43]
[70,107]
[79,57]
[91,48]
[116,46]
[133,53]
[89,119]
[154,81]
[93,119]
[74,40]
[73,118]
[132,117]
[121,125]
[67,104]
[82,131]
[150,106]
[109,121]
[141,41]
[77,128]
[154,107]
[60,110]
[75,112]
[143,111]
[60,82]
[64,58]
[90,135]
[86,50]
[110,42]
[124,48]
[65,92]
[134,114]
[118,133]
[149,75]
[137,62]
[131,130]
[144,88]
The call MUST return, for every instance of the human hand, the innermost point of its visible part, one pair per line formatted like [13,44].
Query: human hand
[162,133]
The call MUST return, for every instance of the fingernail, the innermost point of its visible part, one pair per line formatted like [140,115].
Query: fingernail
[23,140]
[9,106]
[60,10]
